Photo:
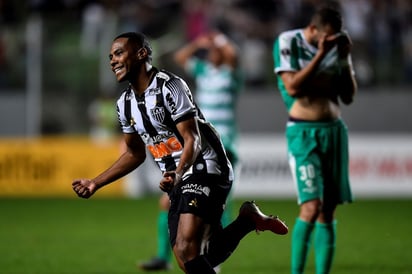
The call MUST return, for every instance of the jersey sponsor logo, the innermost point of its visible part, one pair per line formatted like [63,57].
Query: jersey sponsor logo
[158,113]
[193,203]
[285,52]
[196,189]
[165,148]
[154,91]
[147,139]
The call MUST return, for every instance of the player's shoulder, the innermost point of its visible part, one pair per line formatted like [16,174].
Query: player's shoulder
[288,35]
[166,75]
[171,80]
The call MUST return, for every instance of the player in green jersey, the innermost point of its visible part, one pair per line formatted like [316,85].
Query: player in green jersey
[314,73]
[212,61]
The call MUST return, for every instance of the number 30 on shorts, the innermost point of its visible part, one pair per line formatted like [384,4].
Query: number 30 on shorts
[306,172]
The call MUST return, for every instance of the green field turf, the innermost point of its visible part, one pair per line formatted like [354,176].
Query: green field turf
[111,235]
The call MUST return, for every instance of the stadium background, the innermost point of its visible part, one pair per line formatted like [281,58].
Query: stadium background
[54,71]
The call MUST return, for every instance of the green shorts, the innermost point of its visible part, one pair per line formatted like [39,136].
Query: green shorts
[319,161]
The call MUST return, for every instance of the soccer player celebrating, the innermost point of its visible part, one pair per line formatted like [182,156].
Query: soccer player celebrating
[212,60]
[314,72]
[157,110]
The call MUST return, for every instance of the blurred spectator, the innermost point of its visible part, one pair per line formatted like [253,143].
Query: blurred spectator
[355,14]
[47,6]
[93,17]
[196,17]
[380,28]
[155,18]
[7,18]
[253,27]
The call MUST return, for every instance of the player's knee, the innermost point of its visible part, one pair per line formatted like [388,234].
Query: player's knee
[185,250]
[310,210]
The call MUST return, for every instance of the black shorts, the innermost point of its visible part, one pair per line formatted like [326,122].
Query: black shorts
[203,195]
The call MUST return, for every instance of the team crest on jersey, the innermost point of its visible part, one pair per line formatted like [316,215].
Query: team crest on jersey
[154,91]
[158,113]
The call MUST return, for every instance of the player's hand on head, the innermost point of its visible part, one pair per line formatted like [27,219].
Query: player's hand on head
[326,42]
[203,41]
[84,188]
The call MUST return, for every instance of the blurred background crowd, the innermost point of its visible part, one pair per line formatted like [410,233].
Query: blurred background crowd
[59,48]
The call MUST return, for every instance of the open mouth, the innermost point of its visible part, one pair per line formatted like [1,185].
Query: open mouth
[118,70]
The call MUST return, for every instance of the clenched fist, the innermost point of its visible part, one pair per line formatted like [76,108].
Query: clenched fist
[84,188]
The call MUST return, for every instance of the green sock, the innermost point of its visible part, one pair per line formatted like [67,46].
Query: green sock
[163,244]
[325,240]
[300,245]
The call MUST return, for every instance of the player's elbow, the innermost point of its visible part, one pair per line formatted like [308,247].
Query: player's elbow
[347,97]
[293,92]
[292,86]
[137,157]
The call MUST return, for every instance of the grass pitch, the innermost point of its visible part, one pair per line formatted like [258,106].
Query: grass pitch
[111,235]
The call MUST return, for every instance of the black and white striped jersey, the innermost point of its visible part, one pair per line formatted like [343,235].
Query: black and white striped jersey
[154,116]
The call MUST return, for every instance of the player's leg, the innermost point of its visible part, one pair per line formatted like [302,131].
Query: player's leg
[310,208]
[336,190]
[227,213]
[190,232]
[163,244]
[325,239]
[309,187]
[223,242]
[193,210]
[227,216]
[325,226]
[305,165]
[163,257]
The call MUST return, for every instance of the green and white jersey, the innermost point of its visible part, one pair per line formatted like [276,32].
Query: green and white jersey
[291,52]
[217,90]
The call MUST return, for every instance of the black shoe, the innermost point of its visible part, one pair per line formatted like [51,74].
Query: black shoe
[155,264]
[262,222]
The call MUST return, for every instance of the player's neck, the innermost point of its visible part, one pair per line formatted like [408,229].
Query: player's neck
[143,79]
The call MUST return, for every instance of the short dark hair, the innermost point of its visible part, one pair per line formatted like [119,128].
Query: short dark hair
[328,15]
[139,40]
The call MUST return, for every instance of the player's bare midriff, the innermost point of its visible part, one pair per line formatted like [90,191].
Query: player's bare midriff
[314,109]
